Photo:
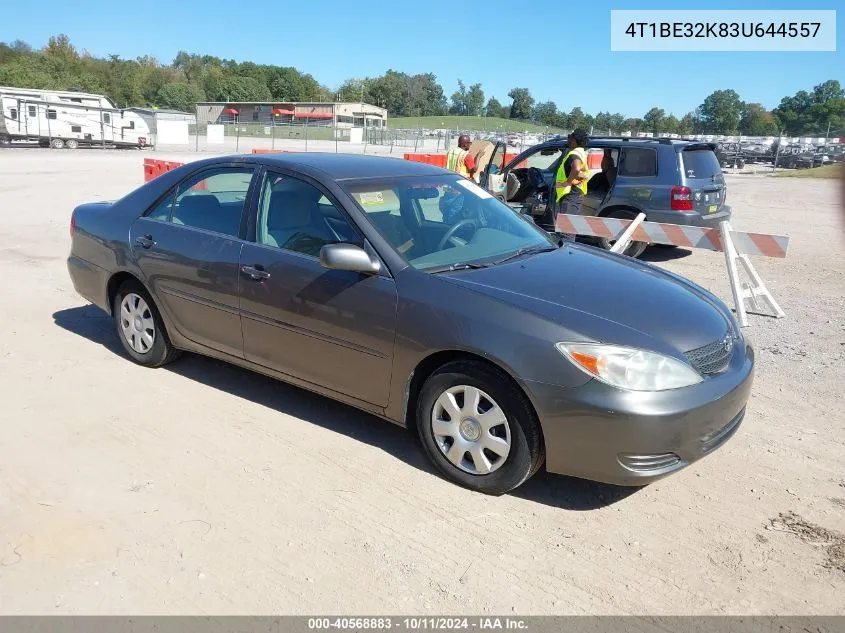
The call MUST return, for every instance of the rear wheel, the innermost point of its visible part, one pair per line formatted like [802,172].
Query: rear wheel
[140,328]
[71,143]
[478,429]
[57,143]
[634,249]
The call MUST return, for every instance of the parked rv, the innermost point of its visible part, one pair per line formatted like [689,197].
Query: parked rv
[68,119]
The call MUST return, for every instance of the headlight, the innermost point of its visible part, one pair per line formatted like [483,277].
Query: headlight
[629,368]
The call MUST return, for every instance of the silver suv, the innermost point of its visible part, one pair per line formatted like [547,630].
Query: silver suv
[669,180]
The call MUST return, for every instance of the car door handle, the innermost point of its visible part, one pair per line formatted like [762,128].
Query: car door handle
[255,272]
[145,241]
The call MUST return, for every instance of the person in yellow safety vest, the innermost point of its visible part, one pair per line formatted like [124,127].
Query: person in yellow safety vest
[572,176]
[458,158]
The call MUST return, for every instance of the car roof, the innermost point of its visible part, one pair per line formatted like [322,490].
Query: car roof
[615,141]
[349,166]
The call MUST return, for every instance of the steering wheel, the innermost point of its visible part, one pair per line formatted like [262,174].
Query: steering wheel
[451,232]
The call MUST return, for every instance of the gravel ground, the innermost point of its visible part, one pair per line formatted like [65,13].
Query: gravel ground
[205,489]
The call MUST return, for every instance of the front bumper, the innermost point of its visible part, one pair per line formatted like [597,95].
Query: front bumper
[605,434]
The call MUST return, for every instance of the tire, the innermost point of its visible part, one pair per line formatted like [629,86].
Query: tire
[57,143]
[5,141]
[147,345]
[634,249]
[72,143]
[517,440]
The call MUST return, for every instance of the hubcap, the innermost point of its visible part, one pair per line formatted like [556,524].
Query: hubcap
[136,323]
[471,430]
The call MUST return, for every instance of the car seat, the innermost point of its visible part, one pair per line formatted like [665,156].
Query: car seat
[294,222]
[204,211]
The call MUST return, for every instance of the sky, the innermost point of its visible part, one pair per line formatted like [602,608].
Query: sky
[496,43]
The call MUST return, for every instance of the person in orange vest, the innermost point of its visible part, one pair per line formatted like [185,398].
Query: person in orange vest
[458,158]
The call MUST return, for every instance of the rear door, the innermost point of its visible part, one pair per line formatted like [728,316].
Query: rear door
[704,177]
[188,247]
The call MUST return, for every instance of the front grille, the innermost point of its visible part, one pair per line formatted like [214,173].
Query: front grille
[712,358]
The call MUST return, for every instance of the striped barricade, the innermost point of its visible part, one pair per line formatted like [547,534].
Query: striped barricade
[709,238]
[736,245]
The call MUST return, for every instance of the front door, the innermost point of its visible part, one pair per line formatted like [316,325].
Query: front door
[108,125]
[492,178]
[327,327]
[188,248]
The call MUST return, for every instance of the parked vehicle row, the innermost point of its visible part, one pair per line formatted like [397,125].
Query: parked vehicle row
[788,157]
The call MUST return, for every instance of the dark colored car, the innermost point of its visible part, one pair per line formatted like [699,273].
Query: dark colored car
[669,180]
[503,348]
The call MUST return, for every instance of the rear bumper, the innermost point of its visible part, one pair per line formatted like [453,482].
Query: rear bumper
[625,438]
[710,220]
[90,281]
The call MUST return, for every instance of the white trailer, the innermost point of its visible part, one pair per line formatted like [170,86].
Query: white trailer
[60,119]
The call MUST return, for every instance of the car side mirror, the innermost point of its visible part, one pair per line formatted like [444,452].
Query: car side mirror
[348,257]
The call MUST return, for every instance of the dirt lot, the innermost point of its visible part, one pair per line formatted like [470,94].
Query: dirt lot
[202,488]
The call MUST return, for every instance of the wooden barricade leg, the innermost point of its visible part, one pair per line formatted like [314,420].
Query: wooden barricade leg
[753,289]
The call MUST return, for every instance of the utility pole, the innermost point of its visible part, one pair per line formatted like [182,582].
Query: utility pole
[827,134]
[777,152]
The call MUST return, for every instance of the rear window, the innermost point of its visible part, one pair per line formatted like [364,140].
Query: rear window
[700,163]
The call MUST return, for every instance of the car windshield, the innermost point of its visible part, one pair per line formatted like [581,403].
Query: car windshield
[436,222]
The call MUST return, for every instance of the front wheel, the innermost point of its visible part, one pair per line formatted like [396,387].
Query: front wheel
[478,429]
[71,143]
[57,143]
[140,328]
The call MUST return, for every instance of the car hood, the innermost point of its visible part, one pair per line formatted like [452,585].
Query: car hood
[605,297]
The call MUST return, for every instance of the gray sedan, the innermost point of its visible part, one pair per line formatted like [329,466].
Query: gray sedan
[410,292]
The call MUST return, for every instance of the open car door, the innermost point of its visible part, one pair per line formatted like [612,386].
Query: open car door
[492,178]
[482,152]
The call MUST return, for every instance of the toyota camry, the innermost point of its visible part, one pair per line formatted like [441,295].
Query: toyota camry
[409,292]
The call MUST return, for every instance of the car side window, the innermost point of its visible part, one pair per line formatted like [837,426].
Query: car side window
[212,200]
[162,210]
[296,216]
[638,162]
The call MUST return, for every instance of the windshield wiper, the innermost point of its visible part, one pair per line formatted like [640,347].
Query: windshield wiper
[525,250]
[457,266]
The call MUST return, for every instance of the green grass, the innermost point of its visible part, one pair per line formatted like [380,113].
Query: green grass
[467,123]
[828,171]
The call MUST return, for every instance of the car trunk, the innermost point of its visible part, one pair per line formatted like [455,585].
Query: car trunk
[704,177]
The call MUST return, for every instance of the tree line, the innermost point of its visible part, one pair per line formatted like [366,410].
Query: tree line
[191,78]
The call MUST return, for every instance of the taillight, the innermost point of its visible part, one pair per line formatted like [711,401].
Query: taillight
[72,224]
[681,199]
